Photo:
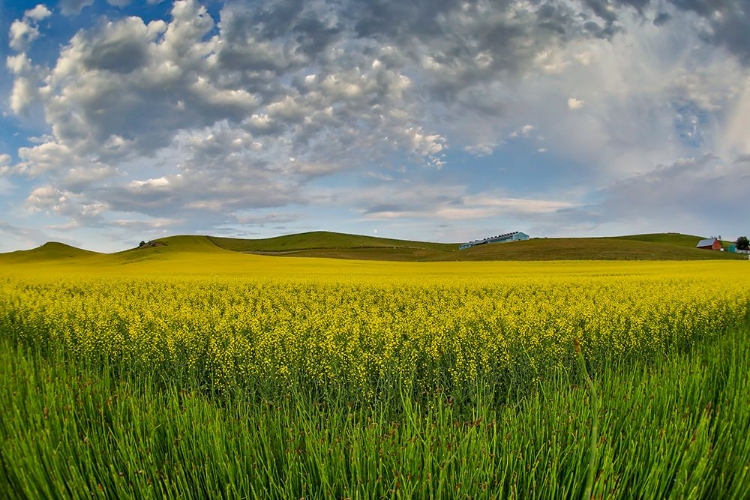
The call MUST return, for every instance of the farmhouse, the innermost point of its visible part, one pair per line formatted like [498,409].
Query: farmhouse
[709,244]
[501,238]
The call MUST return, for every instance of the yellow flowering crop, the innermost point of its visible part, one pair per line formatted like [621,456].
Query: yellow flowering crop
[365,326]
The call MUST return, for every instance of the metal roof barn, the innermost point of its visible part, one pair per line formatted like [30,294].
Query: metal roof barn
[709,244]
[500,238]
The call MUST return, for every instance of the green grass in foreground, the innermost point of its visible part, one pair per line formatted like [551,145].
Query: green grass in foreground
[673,428]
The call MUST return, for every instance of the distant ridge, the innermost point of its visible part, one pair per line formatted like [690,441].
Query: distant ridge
[50,251]
[654,246]
[319,240]
[685,240]
[180,243]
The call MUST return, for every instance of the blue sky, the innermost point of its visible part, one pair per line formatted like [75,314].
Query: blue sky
[438,120]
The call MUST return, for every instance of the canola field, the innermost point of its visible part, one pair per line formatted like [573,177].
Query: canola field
[364,334]
[352,339]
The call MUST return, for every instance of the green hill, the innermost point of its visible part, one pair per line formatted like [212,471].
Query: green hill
[659,246]
[616,248]
[685,240]
[324,240]
[169,248]
[172,244]
[49,252]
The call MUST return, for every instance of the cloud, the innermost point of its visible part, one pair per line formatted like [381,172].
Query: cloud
[5,185]
[28,237]
[686,184]
[124,71]
[724,23]
[26,30]
[72,7]
[481,149]
[26,82]
[734,139]
[524,131]
[662,18]
[204,118]
[47,198]
[78,211]
[45,158]
[38,13]
[574,103]
[450,203]
[701,194]
[143,224]
[650,97]
[380,176]
[262,220]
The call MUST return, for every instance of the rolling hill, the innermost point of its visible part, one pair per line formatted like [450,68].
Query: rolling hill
[683,240]
[52,251]
[325,240]
[615,248]
[657,246]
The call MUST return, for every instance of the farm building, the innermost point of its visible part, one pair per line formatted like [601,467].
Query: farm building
[733,249]
[709,244]
[501,238]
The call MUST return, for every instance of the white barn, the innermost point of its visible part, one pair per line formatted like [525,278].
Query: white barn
[500,238]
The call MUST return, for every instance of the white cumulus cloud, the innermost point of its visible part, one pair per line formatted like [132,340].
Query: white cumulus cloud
[24,31]
[574,103]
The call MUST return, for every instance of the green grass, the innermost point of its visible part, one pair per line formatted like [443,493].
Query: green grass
[188,246]
[673,428]
[660,246]
[541,249]
[323,240]
[49,252]
[685,240]
[590,249]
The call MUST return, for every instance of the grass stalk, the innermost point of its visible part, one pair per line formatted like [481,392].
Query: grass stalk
[668,431]
[594,436]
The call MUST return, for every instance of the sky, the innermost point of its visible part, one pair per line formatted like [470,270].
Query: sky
[433,120]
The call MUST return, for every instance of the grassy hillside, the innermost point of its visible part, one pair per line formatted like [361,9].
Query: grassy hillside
[172,244]
[662,246]
[49,252]
[166,255]
[592,249]
[174,249]
[684,240]
[318,240]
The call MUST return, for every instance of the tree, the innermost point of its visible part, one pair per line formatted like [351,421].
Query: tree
[743,243]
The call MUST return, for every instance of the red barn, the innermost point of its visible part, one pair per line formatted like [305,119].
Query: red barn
[709,244]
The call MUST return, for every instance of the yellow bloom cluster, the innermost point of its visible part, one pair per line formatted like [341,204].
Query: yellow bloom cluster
[366,332]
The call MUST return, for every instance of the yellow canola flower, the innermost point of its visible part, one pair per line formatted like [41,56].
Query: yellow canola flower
[367,330]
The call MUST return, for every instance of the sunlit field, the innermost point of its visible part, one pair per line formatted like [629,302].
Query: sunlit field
[220,374]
